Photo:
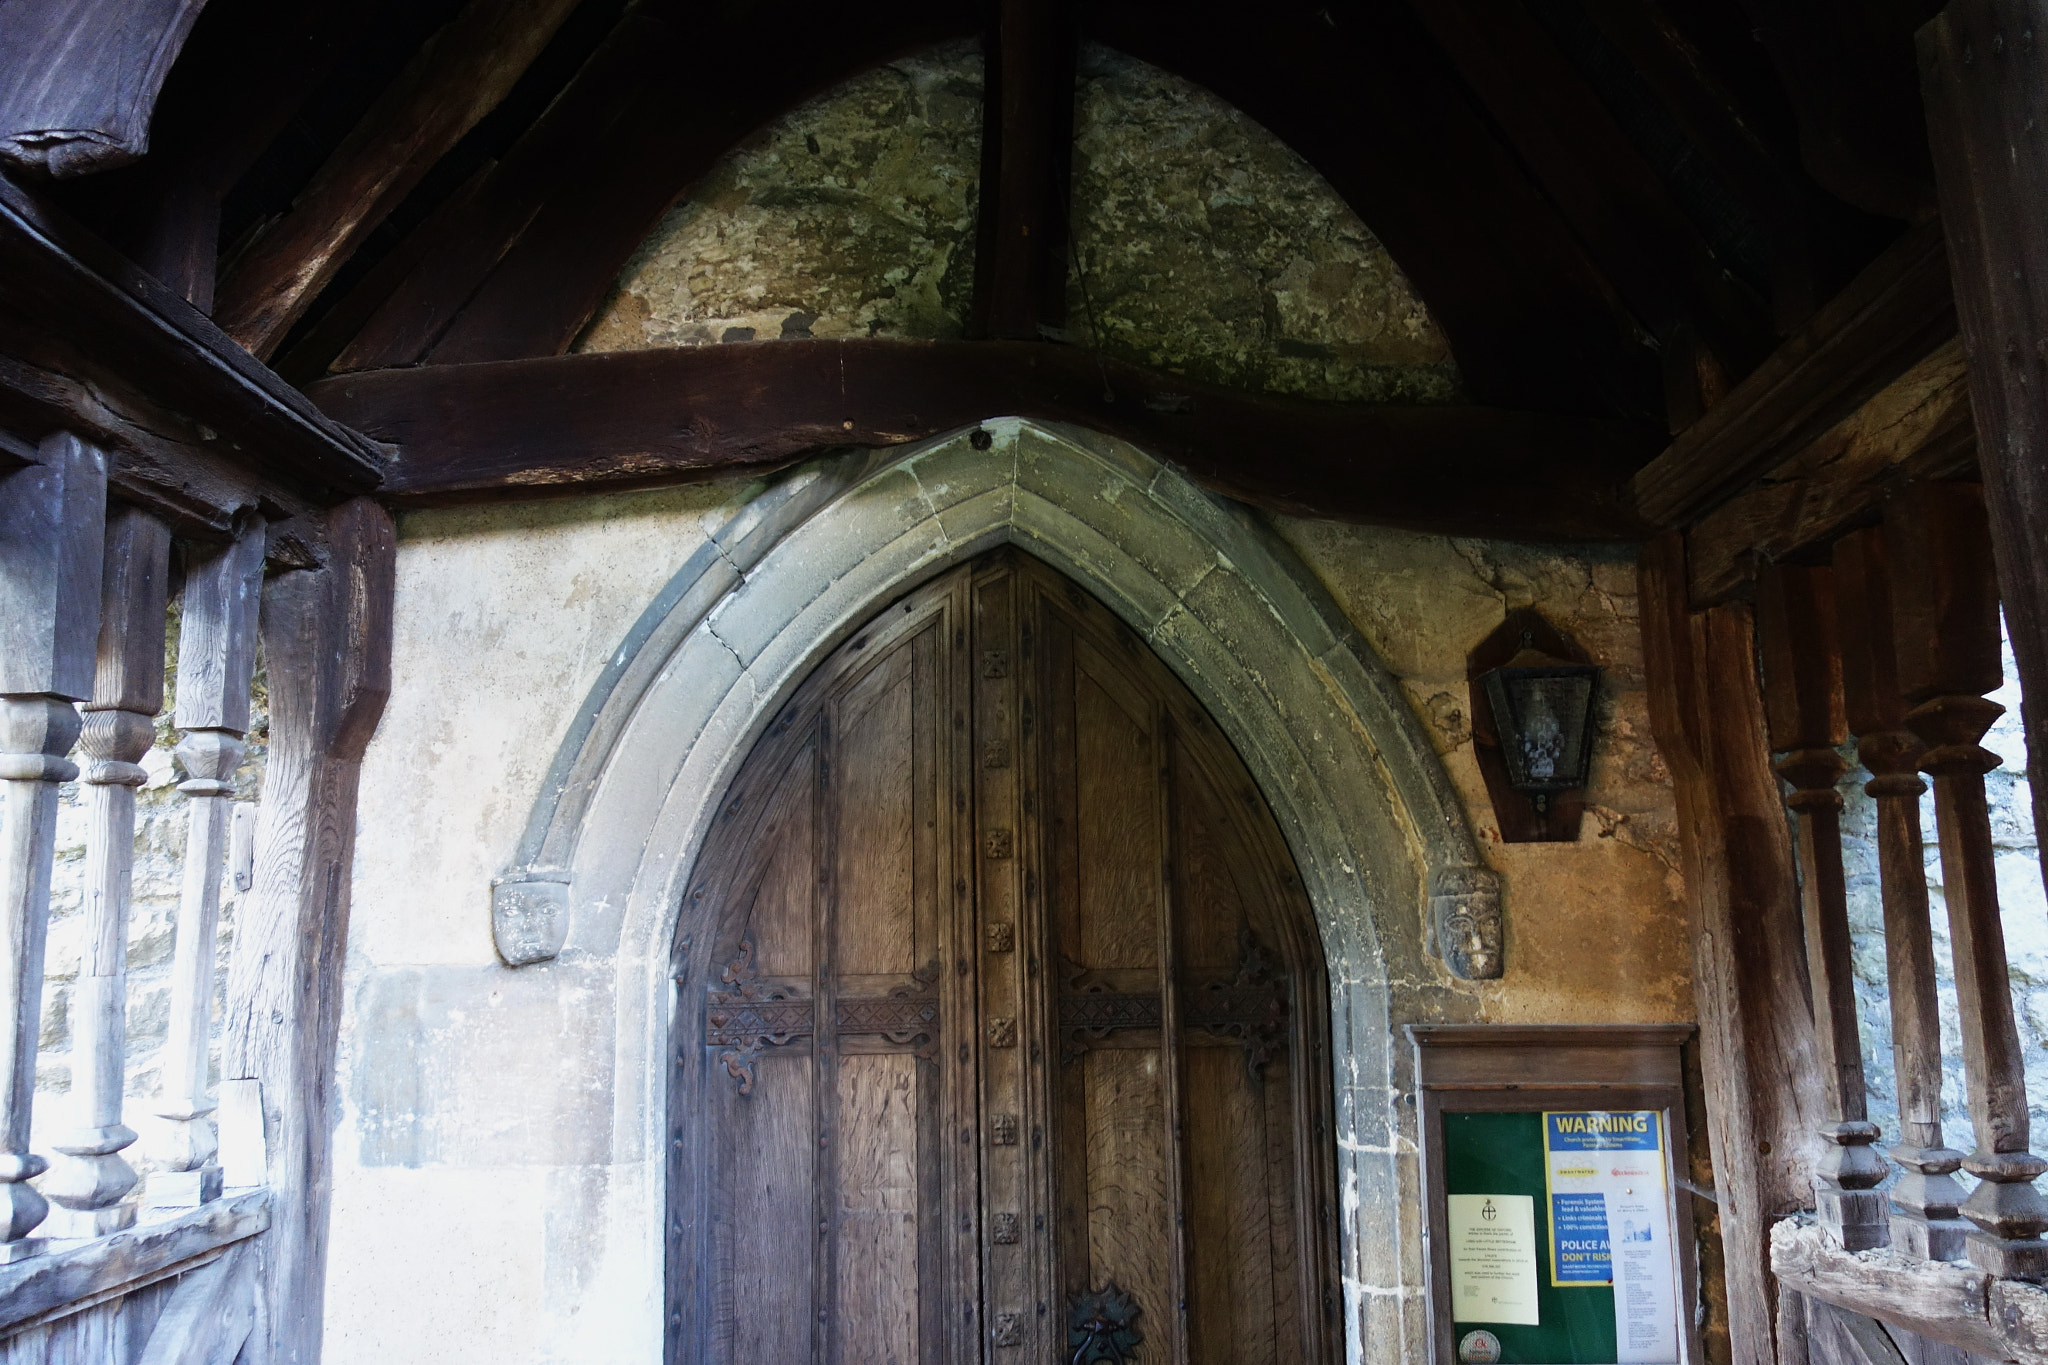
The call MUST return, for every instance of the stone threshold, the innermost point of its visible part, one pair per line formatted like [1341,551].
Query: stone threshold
[1942,1300]
[75,1275]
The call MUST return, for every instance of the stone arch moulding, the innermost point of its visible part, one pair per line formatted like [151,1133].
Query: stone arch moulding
[1132,529]
[1379,836]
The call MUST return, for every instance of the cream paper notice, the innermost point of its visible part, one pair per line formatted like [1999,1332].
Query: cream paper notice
[1493,1258]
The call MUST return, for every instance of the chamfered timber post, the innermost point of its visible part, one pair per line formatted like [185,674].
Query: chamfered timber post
[52,528]
[1945,615]
[1984,82]
[1924,1218]
[90,1187]
[1757,1052]
[1020,263]
[1802,671]
[327,655]
[216,663]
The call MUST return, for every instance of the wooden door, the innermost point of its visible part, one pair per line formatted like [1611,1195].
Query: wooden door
[1001,1030]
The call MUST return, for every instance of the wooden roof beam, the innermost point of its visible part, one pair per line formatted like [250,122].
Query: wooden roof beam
[1761,175]
[1918,427]
[1612,198]
[458,77]
[1893,316]
[1361,91]
[79,79]
[72,305]
[1027,138]
[574,423]
[521,265]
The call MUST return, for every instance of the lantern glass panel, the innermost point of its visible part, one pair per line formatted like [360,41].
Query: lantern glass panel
[1544,717]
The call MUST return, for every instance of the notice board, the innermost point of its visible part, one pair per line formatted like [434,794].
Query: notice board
[1559,1231]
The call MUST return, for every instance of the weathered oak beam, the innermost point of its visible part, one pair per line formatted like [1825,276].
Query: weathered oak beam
[1027,135]
[1983,78]
[1757,1050]
[1957,1304]
[1917,427]
[1890,318]
[155,459]
[1613,199]
[460,76]
[78,79]
[520,267]
[95,315]
[327,647]
[1361,93]
[572,423]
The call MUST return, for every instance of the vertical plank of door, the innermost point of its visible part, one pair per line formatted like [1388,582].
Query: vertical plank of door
[1295,1296]
[1173,1115]
[824,1051]
[768,1306]
[1241,1291]
[1059,798]
[932,708]
[877,1254]
[1010,1289]
[884,813]
[1117,823]
[957,1335]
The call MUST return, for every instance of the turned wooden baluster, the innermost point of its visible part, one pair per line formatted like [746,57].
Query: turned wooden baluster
[90,1187]
[1925,1200]
[216,659]
[1803,714]
[52,521]
[1945,618]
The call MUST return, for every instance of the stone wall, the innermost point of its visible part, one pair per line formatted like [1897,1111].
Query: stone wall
[1202,244]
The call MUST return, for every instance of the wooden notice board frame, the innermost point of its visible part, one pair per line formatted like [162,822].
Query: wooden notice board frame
[1525,1068]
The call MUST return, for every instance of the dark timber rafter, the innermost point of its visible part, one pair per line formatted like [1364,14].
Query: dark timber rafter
[1610,195]
[72,306]
[1369,101]
[457,79]
[1027,130]
[576,422]
[518,268]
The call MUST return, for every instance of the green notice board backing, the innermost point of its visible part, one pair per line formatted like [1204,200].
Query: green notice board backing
[1481,1092]
[1502,1153]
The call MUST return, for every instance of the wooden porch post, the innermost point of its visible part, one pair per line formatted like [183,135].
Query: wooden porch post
[1984,77]
[1757,1051]
[327,644]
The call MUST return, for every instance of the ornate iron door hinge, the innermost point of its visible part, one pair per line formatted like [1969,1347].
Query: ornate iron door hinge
[752,1015]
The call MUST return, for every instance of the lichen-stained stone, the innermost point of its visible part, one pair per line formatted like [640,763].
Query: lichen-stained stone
[1207,247]
[1202,244]
[1595,931]
[852,216]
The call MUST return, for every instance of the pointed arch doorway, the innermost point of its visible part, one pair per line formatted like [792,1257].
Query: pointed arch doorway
[1011,1040]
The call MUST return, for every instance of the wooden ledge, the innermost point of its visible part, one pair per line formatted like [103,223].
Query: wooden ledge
[578,423]
[74,1275]
[72,305]
[1953,1303]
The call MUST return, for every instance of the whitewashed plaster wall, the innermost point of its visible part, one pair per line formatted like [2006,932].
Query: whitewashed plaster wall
[478,1100]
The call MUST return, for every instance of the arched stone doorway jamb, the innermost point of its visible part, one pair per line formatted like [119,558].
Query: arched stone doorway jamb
[1380,839]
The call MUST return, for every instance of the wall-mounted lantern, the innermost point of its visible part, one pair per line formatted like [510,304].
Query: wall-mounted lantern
[1533,699]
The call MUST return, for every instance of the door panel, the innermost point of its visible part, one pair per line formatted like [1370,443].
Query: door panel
[1000,1004]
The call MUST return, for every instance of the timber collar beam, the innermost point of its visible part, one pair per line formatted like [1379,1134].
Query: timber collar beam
[72,307]
[576,423]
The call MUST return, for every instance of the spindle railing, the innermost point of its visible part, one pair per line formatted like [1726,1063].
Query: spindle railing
[1895,641]
[83,602]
